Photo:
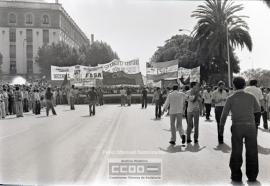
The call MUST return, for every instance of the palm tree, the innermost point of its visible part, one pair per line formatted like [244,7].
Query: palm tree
[216,19]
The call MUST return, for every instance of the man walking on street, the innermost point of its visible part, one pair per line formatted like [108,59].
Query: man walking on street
[242,106]
[72,94]
[18,102]
[175,100]
[193,111]
[123,94]
[257,93]
[157,100]
[219,99]
[144,98]
[49,101]
[207,96]
[92,96]
[128,96]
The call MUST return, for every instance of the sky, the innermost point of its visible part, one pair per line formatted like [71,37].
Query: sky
[135,28]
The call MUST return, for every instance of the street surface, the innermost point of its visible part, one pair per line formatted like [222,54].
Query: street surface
[73,148]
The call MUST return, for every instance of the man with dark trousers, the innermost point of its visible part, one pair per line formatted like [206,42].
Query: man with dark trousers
[144,98]
[92,96]
[257,93]
[242,106]
[219,99]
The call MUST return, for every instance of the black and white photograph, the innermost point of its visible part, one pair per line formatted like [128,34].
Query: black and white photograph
[134,92]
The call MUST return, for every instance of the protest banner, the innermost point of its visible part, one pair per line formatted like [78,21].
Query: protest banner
[76,72]
[59,73]
[129,67]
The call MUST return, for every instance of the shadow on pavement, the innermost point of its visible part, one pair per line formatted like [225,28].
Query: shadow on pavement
[256,183]
[8,118]
[167,130]
[264,130]
[262,150]
[237,183]
[41,116]
[223,148]
[194,148]
[172,149]
[87,116]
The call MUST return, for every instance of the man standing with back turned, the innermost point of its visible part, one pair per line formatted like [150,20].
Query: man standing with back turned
[242,106]
[176,101]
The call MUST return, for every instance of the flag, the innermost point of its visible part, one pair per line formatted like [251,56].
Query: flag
[66,82]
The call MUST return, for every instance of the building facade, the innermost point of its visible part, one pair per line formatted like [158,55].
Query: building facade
[25,26]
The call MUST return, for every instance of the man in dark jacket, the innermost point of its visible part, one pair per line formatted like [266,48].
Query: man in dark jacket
[49,101]
[242,106]
[92,97]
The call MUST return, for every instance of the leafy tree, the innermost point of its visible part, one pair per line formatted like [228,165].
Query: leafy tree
[263,76]
[216,18]
[177,47]
[59,54]
[97,53]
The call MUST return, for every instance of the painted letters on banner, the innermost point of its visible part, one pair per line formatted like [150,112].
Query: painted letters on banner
[193,74]
[76,72]
[59,73]
[129,67]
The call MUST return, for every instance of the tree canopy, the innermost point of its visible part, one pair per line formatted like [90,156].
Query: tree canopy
[263,76]
[61,54]
[97,53]
[177,47]
[217,19]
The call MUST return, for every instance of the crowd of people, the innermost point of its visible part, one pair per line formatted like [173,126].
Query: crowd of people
[246,104]
[20,99]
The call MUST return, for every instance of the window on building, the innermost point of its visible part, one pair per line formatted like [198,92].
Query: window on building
[12,18]
[29,51]
[29,19]
[12,67]
[12,35]
[46,38]
[12,50]
[29,35]
[29,66]
[45,20]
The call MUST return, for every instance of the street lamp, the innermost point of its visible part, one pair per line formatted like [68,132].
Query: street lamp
[228,55]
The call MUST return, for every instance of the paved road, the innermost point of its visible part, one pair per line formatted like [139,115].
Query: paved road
[73,148]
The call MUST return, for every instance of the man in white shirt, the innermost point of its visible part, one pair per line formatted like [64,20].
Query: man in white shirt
[176,101]
[219,99]
[207,97]
[257,93]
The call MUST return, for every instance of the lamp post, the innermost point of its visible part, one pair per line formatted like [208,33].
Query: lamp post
[228,55]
